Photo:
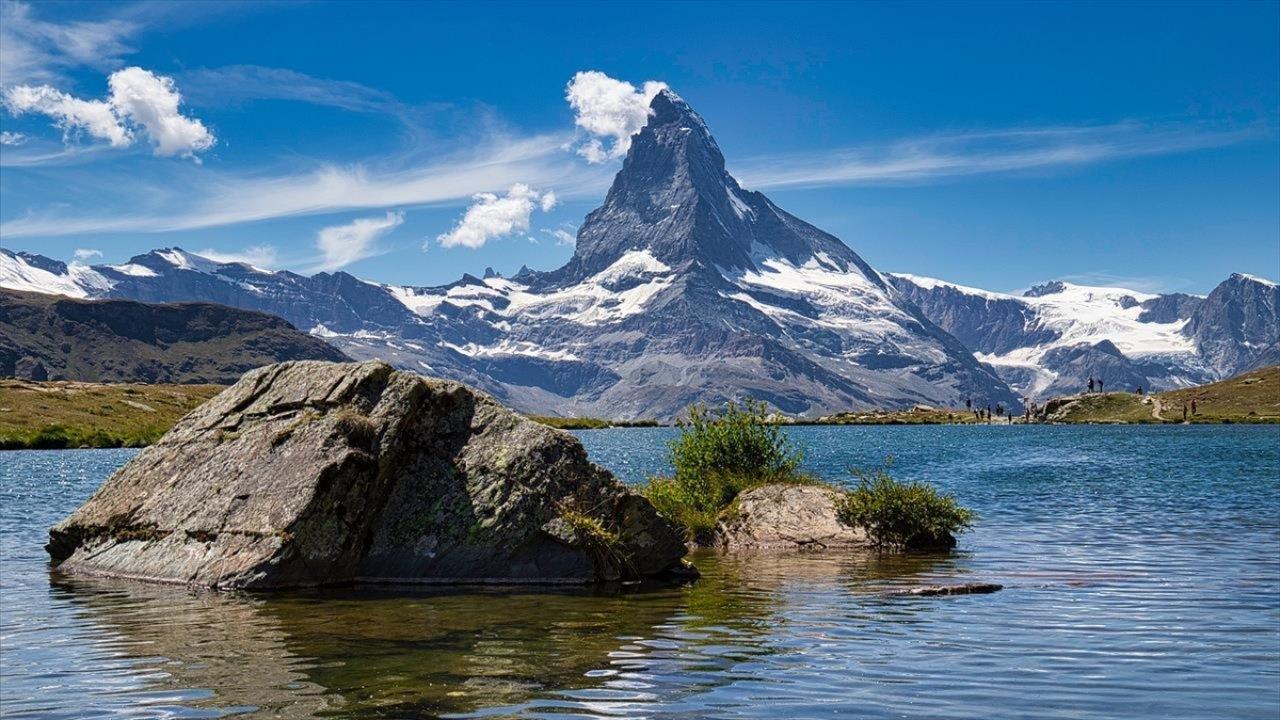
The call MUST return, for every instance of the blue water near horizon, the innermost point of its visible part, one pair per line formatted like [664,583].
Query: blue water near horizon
[1141,565]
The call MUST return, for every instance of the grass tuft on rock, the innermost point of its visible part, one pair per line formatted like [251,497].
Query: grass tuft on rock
[719,455]
[905,515]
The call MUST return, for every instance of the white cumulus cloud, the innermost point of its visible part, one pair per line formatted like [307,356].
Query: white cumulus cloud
[493,216]
[87,253]
[341,245]
[139,102]
[71,114]
[609,111]
[12,139]
[151,101]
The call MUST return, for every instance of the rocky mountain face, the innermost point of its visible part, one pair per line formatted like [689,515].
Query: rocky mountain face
[1053,338]
[683,288]
[48,337]
[1237,322]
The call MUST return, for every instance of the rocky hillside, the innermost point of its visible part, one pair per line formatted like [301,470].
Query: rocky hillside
[58,338]
[1051,339]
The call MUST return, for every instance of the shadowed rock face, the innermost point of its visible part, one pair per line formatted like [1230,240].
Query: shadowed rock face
[314,473]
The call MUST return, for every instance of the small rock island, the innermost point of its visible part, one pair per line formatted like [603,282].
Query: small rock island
[313,473]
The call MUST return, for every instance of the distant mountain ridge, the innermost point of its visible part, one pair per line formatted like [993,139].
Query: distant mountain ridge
[1053,338]
[684,287]
[57,338]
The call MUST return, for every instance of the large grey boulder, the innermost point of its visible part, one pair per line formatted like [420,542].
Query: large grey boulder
[787,517]
[316,473]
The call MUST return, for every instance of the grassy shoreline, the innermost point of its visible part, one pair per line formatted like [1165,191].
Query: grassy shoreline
[59,414]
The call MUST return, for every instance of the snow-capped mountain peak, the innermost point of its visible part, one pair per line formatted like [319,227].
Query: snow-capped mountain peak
[686,287]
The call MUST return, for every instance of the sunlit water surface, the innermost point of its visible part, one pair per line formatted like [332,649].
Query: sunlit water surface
[1141,565]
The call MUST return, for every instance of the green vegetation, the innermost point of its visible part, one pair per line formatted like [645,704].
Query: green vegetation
[72,415]
[906,515]
[915,416]
[1103,408]
[718,456]
[595,538]
[1253,397]
[588,423]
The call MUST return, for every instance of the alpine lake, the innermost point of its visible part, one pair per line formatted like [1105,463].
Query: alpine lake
[1141,568]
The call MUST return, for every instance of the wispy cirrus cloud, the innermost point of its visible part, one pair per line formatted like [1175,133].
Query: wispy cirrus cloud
[182,200]
[259,256]
[233,85]
[341,245]
[37,50]
[939,157]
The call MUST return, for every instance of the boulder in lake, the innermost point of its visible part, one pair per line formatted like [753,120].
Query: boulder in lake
[319,473]
[787,517]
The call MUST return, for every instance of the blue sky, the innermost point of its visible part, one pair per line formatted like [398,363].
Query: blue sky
[995,145]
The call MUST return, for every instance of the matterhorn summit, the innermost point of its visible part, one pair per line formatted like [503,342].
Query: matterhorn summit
[683,287]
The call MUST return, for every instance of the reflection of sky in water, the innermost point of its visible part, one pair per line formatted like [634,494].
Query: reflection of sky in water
[1142,568]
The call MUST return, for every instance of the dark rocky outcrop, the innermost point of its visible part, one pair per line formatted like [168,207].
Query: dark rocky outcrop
[782,517]
[125,341]
[313,473]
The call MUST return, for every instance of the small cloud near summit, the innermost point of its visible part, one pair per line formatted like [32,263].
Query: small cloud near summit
[494,216]
[610,111]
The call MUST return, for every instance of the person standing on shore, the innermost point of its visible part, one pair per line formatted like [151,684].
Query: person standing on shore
[1090,383]
[1184,412]
[1194,410]
[1099,384]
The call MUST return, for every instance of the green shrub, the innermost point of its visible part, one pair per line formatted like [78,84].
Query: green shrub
[905,515]
[736,441]
[718,456]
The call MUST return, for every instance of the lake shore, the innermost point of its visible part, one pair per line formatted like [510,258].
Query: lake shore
[59,414]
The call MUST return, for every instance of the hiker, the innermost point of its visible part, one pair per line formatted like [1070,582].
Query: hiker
[1139,391]
[1184,412]
[968,403]
[1193,406]
[1090,383]
[1099,384]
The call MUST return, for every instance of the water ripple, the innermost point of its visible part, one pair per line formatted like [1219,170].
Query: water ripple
[1141,565]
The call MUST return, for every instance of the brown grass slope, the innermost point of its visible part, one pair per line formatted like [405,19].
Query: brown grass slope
[73,414]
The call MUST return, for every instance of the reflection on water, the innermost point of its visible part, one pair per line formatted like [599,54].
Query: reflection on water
[1142,574]
[374,652]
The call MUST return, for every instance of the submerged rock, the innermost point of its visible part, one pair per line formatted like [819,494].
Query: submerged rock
[317,473]
[976,588]
[787,517]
